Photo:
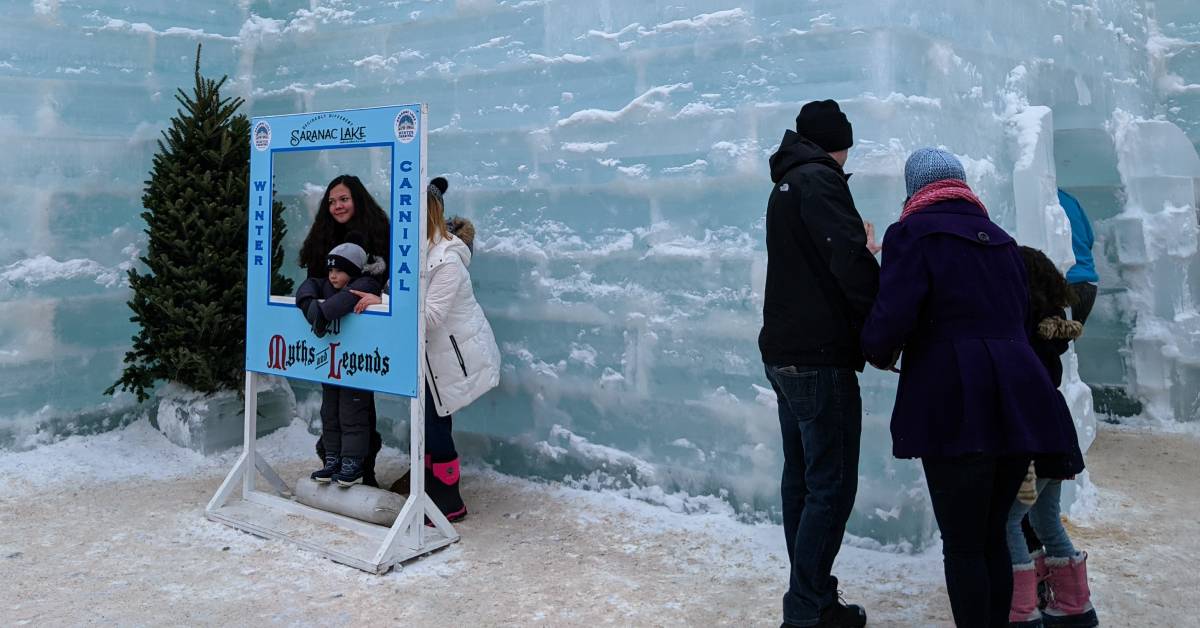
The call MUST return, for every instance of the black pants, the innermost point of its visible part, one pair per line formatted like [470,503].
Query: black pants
[972,496]
[438,435]
[1085,298]
[439,439]
[347,420]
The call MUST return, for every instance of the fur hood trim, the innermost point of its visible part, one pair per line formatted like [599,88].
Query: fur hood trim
[376,266]
[462,229]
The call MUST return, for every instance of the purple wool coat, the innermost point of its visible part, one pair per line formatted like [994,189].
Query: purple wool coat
[953,299]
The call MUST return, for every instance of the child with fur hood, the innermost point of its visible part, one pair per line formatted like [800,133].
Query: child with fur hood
[1059,565]
[346,413]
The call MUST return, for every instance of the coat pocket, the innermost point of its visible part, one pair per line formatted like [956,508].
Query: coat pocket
[461,364]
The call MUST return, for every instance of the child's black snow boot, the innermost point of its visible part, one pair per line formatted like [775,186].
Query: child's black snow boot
[351,472]
[326,473]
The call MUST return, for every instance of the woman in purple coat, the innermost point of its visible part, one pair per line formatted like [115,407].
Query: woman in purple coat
[973,403]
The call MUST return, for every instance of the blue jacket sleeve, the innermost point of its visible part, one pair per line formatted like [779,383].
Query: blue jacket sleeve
[903,285]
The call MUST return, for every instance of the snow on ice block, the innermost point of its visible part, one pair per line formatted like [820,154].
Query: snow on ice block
[1150,364]
[213,422]
[1184,399]
[1155,148]
[365,503]
[1173,232]
[1130,238]
[1159,193]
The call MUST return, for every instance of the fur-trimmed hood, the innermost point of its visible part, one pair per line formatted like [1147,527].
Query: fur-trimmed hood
[375,266]
[462,229]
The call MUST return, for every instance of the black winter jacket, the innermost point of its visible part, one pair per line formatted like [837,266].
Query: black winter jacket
[338,303]
[821,279]
[1049,352]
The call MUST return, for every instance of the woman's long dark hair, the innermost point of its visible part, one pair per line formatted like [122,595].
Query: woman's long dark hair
[1048,289]
[326,233]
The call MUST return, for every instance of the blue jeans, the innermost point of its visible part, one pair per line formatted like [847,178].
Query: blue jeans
[820,415]
[1044,517]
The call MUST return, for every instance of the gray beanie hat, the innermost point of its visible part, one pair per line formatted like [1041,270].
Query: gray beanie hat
[348,256]
[929,165]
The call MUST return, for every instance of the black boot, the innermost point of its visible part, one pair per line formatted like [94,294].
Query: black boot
[441,483]
[369,463]
[351,471]
[841,615]
[402,486]
[326,473]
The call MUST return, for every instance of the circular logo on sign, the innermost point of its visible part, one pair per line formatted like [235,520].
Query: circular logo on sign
[406,126]
[262,135]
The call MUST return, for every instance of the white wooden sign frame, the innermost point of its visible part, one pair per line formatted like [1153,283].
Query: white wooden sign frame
[271,511]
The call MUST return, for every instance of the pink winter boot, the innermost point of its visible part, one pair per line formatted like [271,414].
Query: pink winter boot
[1071,600]
[442,486]
[1024,610]
[1043,572]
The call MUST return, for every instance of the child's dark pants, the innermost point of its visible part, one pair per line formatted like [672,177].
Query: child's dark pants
[346,420]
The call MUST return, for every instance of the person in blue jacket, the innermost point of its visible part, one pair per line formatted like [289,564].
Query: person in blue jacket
[973,402]
[1082,277]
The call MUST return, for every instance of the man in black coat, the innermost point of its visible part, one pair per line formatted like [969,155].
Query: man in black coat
[821,284]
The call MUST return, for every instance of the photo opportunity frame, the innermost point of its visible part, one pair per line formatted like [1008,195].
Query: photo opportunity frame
[379,350]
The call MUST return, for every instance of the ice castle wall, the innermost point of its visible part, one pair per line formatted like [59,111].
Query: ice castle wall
[84,93]
[612,156]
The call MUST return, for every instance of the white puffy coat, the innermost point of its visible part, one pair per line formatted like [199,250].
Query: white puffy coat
[462,359]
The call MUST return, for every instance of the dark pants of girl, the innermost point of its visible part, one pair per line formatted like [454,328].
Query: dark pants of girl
[972,496]
[1085,297]
[439,442]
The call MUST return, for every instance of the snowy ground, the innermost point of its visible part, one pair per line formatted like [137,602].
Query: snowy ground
[109,529]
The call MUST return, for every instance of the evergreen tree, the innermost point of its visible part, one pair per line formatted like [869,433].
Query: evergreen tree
[191,301]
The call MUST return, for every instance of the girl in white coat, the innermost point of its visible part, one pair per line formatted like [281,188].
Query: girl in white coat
[462,360]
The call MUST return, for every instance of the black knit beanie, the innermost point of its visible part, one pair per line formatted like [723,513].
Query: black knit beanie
[823,123]
[438,186]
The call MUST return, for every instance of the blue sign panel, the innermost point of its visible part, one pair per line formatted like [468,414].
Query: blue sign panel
[378,349]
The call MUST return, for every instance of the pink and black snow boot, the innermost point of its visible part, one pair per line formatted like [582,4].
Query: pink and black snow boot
[1043,572]
[1071,600]
[1024,610]
[442,486]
